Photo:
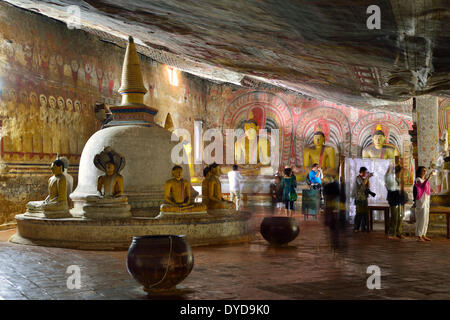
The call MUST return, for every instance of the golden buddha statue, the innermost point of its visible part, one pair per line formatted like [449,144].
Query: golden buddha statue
[212,190]
[319,153]
[251,148]
[69,178]
[380,149]
[55,205]
[177,194]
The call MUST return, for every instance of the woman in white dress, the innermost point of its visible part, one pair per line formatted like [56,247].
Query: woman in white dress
[422,185]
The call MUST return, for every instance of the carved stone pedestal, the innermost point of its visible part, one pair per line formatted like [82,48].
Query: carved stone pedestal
[48,214]
[93,207]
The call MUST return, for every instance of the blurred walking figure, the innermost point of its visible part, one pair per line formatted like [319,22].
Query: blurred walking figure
[276,191]
[394,198]
[235,178]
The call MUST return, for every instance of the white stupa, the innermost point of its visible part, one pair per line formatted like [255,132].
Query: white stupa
[145,145]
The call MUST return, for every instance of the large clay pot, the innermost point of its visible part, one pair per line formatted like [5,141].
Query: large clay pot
[279,230]
[159,262]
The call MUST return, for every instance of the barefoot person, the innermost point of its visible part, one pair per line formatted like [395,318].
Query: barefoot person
[422,185]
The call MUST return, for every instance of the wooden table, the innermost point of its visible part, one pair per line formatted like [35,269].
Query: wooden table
[442,210]
[380,207]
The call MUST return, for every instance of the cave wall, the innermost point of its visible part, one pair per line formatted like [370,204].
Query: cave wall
[50,78]
[347,129]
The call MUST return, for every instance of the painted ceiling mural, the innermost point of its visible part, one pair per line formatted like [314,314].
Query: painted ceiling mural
[319,48]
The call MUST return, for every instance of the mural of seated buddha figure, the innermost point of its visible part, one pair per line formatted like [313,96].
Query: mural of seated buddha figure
[380,149]
[319,153]
[177,194]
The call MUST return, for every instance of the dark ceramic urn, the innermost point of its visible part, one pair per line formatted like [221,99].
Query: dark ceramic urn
[159,262]
[279,230]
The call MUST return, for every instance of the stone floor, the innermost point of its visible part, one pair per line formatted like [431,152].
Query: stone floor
[319,264]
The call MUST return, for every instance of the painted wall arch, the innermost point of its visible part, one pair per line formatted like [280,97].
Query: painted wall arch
[269,111]
[337,129]
[394,127]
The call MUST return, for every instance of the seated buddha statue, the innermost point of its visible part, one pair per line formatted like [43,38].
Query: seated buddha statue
[177,194]
[380,149]
[109,202]
[69,178]
[111,183]
[55,205]
[319,153]
[251,149]
[212,190]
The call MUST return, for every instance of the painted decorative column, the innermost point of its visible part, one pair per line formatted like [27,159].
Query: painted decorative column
[428,152]
[427,130]
[413,134]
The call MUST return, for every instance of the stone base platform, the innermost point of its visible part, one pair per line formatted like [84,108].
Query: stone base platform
[117,234]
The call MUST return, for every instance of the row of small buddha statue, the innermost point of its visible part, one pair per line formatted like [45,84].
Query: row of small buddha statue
[110,187]
[177,191]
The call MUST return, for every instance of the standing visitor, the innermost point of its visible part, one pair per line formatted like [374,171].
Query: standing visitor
[276,191]
[422,185]
[235,178]
[289,184]
[361,193]
[394,198]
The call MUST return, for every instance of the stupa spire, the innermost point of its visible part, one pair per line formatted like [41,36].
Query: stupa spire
[132,83]
[132,110]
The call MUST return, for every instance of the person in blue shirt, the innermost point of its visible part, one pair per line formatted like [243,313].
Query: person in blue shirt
[315,177]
